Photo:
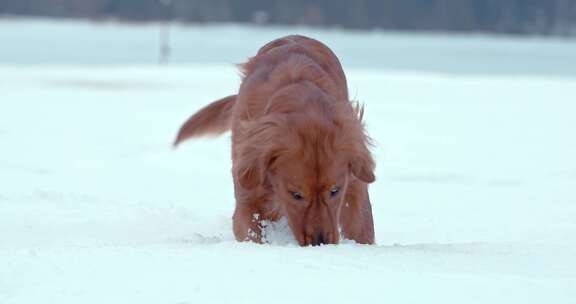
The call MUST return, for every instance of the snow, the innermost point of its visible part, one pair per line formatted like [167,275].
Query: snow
[475,198]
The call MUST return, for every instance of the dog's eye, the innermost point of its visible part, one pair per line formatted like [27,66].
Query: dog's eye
[334,190]
[296,195]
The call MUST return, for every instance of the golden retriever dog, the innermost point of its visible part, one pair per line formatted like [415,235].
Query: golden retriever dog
[299,148]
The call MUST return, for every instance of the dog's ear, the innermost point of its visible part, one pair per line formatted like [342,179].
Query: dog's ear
[248,170]
[251,170]
[362,166]
[249,178]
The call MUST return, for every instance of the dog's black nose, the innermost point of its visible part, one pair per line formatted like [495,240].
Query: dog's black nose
[318,240]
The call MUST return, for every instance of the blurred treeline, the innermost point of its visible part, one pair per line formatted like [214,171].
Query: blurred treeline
[544,17]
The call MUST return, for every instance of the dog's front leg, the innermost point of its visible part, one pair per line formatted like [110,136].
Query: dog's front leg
[247,223]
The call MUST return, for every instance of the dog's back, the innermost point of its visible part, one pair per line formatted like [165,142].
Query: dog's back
[286,61]
[302,56]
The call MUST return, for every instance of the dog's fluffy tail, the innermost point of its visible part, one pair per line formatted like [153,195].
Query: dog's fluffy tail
[214,119]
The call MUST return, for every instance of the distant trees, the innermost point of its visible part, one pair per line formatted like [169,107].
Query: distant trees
[546,17]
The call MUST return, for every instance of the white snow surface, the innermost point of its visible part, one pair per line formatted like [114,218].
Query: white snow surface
[475,198]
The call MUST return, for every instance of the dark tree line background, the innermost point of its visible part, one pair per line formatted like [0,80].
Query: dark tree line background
[542,17]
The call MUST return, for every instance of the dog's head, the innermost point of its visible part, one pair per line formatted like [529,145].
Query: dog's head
[307,158]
